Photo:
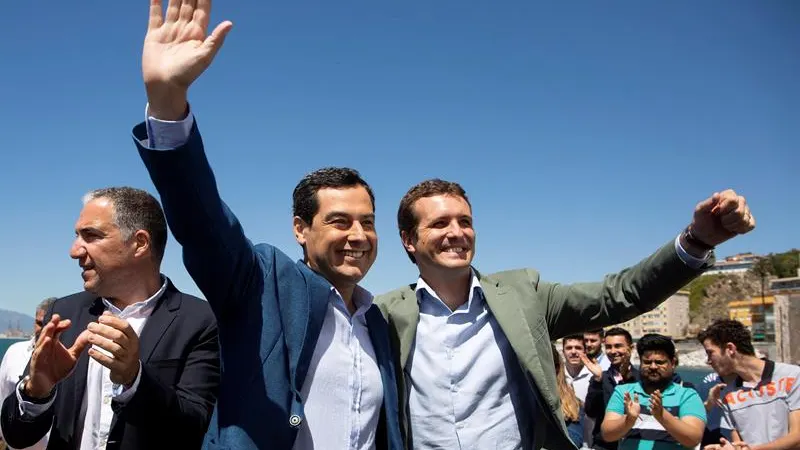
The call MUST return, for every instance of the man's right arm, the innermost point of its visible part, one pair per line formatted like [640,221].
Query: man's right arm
[25,423]
[216,252]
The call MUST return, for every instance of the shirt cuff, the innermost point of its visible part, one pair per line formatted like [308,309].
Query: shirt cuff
[167,134]
[30,409]
[122,395]
[691,261]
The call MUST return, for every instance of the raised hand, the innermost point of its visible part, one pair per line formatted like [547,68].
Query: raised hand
[51,361]
[657,406]
[713,398]
[593,367]
[176,51]
[721,217]
[121,345]
[632,406]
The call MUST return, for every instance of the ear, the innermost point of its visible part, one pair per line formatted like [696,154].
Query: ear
[141,242]
[300,228]
[730,349]
[408,242]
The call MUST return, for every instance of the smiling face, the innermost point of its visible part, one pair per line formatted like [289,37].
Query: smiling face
[618,350]
[340,242]
[444,240]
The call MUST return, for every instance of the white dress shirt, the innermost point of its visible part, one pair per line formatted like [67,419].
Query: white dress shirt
[100,391]
[463,377]
[11,369]
[343,391]
[580,382]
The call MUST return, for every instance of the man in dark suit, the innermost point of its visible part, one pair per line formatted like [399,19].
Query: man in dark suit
[150,377]
[306,353]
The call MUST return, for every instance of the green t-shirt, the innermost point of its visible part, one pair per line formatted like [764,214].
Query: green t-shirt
[647,433]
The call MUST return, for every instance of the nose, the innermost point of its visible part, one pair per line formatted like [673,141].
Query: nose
[357,233]
[77,250]
[455,230]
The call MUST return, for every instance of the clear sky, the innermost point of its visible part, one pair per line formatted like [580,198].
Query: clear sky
[584,132]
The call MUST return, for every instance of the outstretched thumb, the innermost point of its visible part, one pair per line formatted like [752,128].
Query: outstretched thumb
[80,344]
[215,40]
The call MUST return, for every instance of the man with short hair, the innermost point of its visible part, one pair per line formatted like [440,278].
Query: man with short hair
[618,344]
[763,402]
[655,412]
[16,359]
[149,379]
[306,353]
[475,363]
[593,341]
[578,375]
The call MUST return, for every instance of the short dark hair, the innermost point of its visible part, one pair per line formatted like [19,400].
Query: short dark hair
[407,221]
[617,331]
[656,342]
[723,331]
[599,331]
[305,203]
[134,210]
[572,337]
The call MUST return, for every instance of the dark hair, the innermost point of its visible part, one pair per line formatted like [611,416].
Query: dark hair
[407,221]
[653,342]
[134,210]
[724,331]
[617,331]
[571,337]
[599,331]
[305,204]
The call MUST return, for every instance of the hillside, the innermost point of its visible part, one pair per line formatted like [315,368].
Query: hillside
[12,319]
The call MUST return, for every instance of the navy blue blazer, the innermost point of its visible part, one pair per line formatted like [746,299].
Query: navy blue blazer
[269,309]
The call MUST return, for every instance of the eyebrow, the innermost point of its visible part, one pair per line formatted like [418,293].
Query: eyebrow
[337,214]
[89,230]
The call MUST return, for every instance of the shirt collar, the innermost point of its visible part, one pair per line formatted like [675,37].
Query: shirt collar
[362,299]
[143,307]
[424,289]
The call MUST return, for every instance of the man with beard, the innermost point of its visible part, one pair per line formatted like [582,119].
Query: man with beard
[593,343]
[656,412]
[619,345]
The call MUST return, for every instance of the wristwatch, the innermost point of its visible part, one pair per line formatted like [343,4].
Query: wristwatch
[692,240]
[24,394]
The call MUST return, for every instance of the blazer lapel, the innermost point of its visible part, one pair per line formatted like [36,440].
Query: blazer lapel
[513,321]
[310,316]
[164,313]
[79,377]
[403,318]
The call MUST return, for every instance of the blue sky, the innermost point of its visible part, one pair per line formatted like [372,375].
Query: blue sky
[584,132]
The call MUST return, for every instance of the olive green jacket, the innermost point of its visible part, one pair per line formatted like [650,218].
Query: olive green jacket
[532,313]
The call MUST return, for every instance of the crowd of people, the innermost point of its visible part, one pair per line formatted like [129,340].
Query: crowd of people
[750,401]
[286,354]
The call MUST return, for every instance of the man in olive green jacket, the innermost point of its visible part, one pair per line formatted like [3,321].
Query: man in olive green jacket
[475,367]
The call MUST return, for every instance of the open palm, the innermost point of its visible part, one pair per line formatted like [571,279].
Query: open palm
[51,361]
[176,48]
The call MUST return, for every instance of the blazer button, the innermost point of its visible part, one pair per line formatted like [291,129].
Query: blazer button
[295,420]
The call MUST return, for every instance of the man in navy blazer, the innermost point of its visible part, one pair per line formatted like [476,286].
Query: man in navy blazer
[306,360]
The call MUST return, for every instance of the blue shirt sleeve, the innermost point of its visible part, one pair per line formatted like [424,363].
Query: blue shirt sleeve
[692,405]
[616,403]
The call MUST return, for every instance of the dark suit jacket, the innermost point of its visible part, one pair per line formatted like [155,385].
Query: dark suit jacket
[179,351]
[269,308]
